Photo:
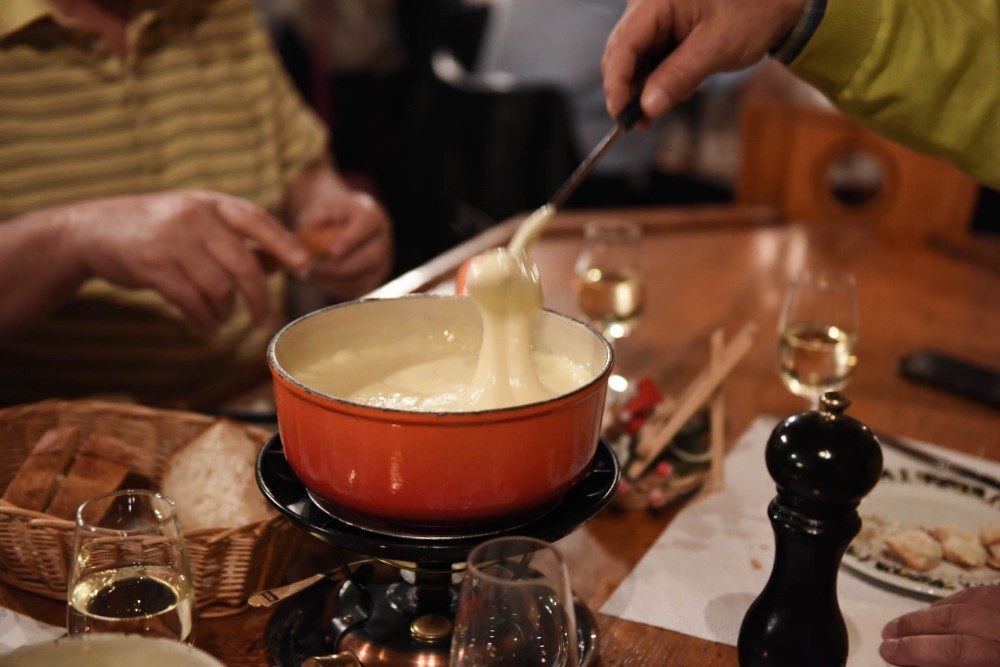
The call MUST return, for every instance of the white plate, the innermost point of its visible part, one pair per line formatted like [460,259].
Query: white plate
[905,499]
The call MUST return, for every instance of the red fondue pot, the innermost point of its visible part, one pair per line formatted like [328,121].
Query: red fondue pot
[432,468]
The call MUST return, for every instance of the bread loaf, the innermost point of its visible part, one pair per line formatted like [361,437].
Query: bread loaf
[39,476]
[101,466]
[212,480]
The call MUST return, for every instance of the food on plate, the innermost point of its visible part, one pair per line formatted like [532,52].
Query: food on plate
[211,479]
[916,549]
[961,547]
[989,535]
[993,556]
[927,549]
[100,466]
[38,478]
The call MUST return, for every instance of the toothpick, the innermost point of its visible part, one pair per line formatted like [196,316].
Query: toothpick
[717,417]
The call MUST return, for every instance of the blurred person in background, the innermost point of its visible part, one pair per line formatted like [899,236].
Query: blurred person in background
[154,163]
[349,61]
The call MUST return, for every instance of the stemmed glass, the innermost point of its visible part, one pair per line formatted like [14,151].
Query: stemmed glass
[515,607]
[130,570]
[817,333]
[608,276]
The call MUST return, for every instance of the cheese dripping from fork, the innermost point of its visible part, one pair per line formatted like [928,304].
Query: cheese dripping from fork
[505,286]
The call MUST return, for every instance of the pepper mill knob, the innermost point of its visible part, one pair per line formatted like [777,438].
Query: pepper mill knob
[823,463]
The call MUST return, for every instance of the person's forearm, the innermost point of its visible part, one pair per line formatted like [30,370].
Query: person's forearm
[922,72]
[38,270]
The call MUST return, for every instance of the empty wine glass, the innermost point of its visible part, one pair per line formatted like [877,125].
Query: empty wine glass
[130,570]
[515,607]
[817,333]
[608,276]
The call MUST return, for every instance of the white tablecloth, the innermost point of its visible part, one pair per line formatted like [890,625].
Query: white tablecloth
[19,630]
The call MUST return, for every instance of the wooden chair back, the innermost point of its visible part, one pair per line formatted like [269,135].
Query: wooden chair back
[817,165]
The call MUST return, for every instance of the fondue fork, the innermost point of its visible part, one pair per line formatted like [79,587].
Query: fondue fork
[533,224]
[271,596]
[626,120]
[942,464]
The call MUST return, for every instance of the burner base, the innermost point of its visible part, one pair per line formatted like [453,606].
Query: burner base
[418,531]
[301,627]
[288,494]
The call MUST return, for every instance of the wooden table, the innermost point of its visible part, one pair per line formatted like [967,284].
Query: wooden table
[722,267]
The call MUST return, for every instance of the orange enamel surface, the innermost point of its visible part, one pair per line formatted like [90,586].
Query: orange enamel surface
[425,467]
[438,468]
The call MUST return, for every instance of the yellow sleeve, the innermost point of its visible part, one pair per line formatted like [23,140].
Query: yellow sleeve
[924,72]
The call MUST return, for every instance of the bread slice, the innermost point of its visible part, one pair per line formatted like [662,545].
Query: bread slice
[39,476]
[212,480]
[961,547]
[107,447]
[916,549]
[101,466]
[993,556]
[989,534]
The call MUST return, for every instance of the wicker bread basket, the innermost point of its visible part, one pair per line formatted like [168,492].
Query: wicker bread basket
[227,565]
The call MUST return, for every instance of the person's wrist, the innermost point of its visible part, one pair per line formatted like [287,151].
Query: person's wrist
[57,229]
[794,40]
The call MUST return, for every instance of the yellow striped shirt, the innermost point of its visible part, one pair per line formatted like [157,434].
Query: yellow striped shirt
[199,102]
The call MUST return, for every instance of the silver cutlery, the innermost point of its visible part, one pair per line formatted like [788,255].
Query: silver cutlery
[937,462]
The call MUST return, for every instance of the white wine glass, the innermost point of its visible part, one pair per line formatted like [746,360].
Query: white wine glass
[608,276]
[130,570]
[515,607]
[818,334]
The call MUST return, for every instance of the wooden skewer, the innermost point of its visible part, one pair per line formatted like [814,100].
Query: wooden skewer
[652,443]
[717,415]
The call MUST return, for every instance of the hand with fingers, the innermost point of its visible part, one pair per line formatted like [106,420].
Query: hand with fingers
[710,36]
[350,236]
[961,630]
[200,250]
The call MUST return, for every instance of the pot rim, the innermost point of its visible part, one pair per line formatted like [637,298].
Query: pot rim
[501,413]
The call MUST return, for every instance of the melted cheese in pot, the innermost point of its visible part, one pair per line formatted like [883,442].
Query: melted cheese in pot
[506,289]
[445,385]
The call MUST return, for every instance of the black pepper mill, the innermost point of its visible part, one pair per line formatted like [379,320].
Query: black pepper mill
[824,463]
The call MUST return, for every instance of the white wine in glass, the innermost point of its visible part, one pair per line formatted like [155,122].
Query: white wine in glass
[130,570]
[608,276]
[817,334]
